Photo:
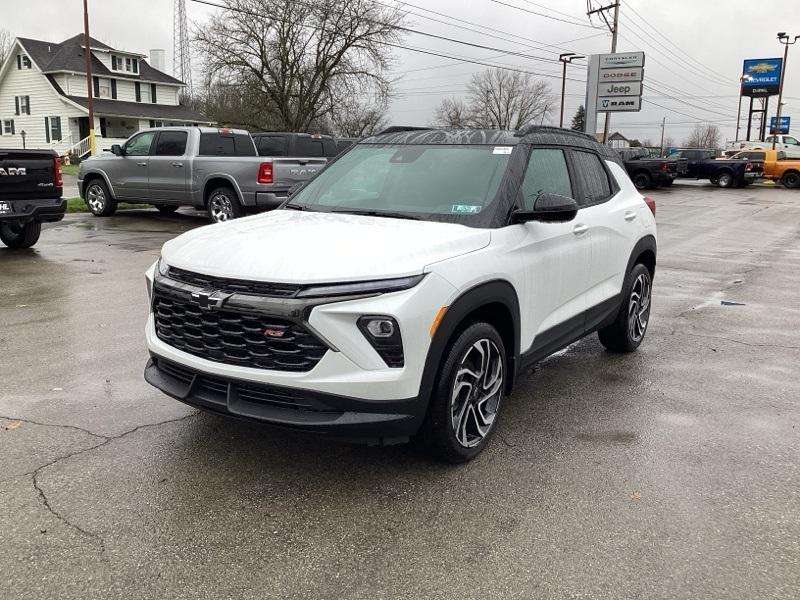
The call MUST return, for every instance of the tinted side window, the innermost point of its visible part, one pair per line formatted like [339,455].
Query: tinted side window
[272,145]
[215,144]
[140,145]
[593,177]
[244,144]
[171,143]
[546,172]
[329,146]
[306,146]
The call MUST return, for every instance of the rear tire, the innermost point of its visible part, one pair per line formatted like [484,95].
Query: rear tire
[223,205]
[642,181]
[99,200]
[791,180]
[629,328]
[468,395]
[166,209]
[20,236]
[725,179]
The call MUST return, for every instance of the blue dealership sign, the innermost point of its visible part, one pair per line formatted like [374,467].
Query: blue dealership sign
[761,76]
[783,129]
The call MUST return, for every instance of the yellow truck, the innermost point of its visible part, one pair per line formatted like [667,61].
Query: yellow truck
[776,166]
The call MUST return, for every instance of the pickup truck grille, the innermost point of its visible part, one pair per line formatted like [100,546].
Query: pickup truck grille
[231,337]
[235,286]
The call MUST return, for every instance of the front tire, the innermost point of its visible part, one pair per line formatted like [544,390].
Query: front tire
[224,205]
[791,180]
[98,199]
[629,328]
[20,236]
[468,395]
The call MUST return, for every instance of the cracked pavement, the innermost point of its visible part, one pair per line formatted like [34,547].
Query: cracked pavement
[669,473]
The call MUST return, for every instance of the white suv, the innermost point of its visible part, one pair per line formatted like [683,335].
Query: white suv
[401,291]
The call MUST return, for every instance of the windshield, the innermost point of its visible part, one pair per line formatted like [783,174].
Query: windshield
[416,181]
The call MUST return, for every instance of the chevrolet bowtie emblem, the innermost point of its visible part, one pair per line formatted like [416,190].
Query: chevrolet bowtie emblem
[210,300]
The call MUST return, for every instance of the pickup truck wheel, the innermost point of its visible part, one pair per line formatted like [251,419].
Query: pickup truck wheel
[223,205]
[725,180]
[791,179]
[166,209]
[20,236]
[642,181]
[468,396]
[99,200]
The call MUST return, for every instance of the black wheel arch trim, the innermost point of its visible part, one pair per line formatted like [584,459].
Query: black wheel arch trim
[648,242]
[490,292]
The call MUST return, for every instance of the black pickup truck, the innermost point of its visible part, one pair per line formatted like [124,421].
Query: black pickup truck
[723,172]
[30,194]
[647,172]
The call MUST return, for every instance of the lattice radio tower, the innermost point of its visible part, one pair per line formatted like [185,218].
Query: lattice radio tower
[181,63]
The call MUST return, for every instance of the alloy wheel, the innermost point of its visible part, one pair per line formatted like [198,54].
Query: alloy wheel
[477,391]
[96,198]
[221,208]
[639,307]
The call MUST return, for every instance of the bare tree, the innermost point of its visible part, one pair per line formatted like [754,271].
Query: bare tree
[453,113]
[6,41]
[502,99]
[704,136]
[293,61]
[354,118]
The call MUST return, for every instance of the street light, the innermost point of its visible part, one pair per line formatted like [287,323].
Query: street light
[783,38]
[565,58]
[742,79]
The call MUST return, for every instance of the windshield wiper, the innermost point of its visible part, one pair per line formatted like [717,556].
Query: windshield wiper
[375,213]
[295,206]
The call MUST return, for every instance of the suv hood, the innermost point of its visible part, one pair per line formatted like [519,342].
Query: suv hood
[289,246]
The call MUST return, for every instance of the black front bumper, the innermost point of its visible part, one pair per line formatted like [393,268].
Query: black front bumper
[340,417]
[46,210]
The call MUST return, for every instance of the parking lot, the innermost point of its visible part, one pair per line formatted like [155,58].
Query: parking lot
[668,473]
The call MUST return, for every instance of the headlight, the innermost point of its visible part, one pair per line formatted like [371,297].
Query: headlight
[380,286]
[383,334]
[162,268]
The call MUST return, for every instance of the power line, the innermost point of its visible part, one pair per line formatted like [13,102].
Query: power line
[545,15]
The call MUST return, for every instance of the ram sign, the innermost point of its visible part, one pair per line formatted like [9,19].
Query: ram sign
[761,76]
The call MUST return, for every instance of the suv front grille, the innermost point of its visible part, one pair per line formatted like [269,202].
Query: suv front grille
[235,286]
[230,337]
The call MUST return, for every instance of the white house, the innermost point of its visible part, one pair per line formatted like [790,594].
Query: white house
[43,96]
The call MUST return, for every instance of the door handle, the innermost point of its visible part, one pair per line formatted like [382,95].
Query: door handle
[177,164]
[629,216]
[142,164]
[580,229]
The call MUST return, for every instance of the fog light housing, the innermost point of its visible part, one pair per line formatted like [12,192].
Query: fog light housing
[383,334]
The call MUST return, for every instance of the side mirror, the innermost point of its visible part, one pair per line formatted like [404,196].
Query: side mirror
[117,149]
[548,208]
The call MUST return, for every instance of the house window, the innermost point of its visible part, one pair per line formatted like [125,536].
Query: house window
[135,65]
[114,60]
[114,89]
[8,127]
[131,65]
[52,126]
[138,87]
[156,123]
[153,98]
[22,105]
[23,62]
[96,86]
[101,87]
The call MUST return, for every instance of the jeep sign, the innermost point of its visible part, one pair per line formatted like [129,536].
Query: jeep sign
[620,89]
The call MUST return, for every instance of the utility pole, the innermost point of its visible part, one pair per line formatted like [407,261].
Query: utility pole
[663,125]
[565,58]
[783,39]
[742,79]
[87,55]
[613,27]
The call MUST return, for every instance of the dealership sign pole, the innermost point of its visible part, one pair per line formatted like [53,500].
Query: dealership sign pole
[613,84]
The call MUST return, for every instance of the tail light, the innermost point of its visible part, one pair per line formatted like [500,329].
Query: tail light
[224,130]
[59,180]
[265,173]
[651,204]
[664,167]
[748,167]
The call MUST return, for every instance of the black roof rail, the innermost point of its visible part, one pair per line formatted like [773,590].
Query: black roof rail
[526,129]
[399,128]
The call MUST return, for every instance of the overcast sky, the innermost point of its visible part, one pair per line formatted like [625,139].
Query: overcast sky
[715,35]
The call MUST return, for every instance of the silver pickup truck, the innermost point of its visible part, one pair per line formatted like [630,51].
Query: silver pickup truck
[217,170]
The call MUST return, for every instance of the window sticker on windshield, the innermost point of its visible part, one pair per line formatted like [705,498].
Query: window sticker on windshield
[465,209]
[502,150]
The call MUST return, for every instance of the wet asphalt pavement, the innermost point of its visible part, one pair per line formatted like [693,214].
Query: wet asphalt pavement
[670,473]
